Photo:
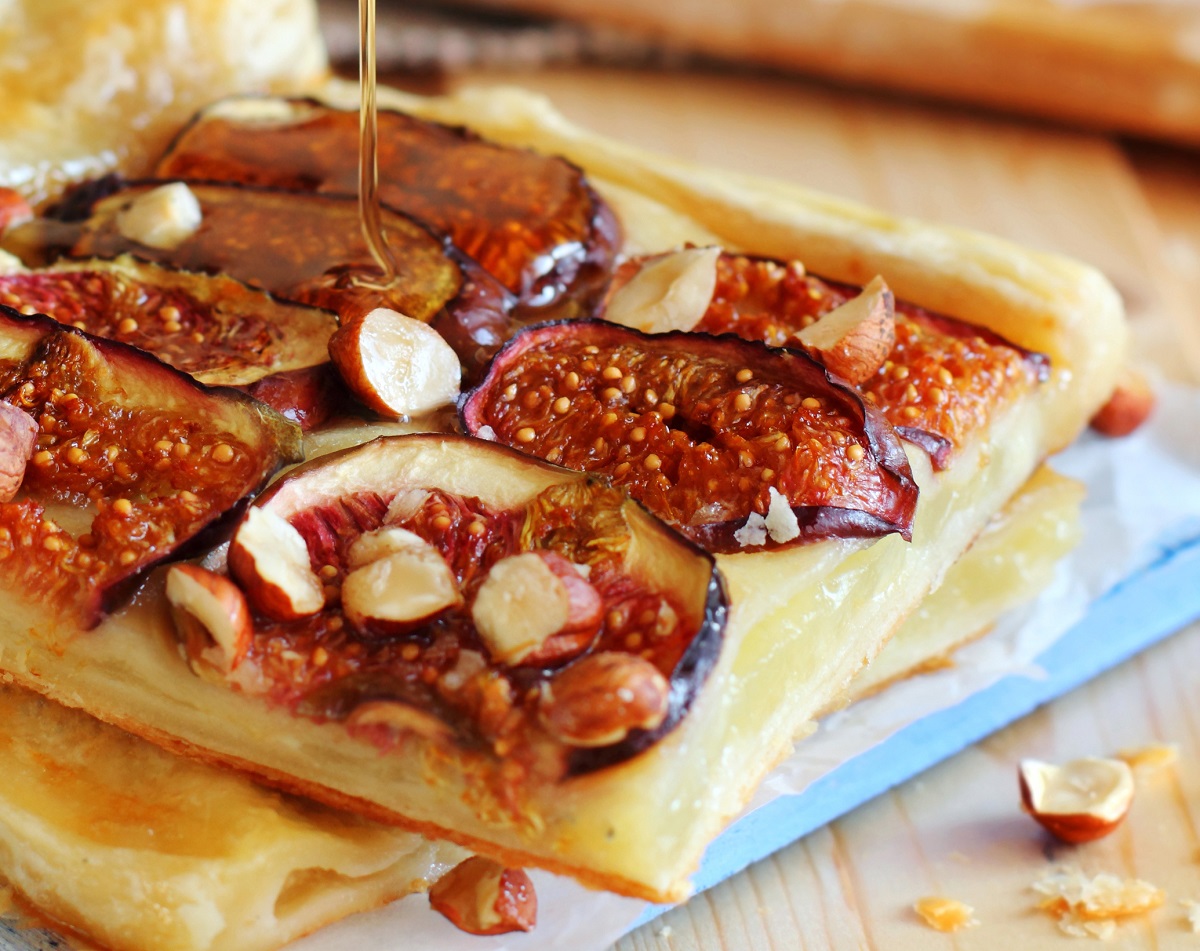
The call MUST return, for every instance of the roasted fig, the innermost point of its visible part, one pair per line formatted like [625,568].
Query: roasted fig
[310,248]
[134,462]
[735,444]
[531,220]
[935,385]
[213,328]
[456,520]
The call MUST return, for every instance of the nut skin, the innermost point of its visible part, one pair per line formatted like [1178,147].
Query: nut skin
[1072,828]
[393,364]
[209,609]
[600,699]
[18,439]
[482,897]
[855,339]
[585,614]
[248,563]
[1130,405]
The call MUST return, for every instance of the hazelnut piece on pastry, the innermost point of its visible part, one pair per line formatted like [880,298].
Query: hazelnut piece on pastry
[394,364]
[854,339]
[482,897]
[1130,405]
[211,615]
[671,292]
[535,608]
[270,561]
[162,218]
[18,438]
[600,699]
[397,579]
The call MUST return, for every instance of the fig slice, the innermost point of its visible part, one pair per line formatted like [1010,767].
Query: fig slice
[135,463]
[531,220]
[214,328]
[309,248]
[436,515]
[701,430]
[937,384]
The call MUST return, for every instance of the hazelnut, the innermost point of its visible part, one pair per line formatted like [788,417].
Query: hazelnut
[853,340]
[163,217]
[269,559]
[1079,801]
[396,365]
[212,617]
[670,292]
[1130,405]
[18,439]
[483,897]
[599,699]
[536,608]
[398,580]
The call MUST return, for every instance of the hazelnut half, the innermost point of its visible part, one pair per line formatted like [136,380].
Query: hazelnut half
[270,560]
[599,699]
[212,617]
[398,580]
[1130,405]
[395,364]
[483,897]
[1079,801]
[854,340]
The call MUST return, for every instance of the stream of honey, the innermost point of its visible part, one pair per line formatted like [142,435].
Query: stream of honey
[368,161]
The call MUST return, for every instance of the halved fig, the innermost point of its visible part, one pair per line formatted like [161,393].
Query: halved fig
[937,384]
[134,463]
[457,509]
[531,220]
[213,328]
[700,429]
[310,248]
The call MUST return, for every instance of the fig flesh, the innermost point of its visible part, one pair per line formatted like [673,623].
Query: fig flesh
[705,431]
[213,328]
[309,248]
[474,504]
[530,220]
[940,379]
[134,458]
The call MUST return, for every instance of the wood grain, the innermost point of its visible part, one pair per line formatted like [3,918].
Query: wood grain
[956,830]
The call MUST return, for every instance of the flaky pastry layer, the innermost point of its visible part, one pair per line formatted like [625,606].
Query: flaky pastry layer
[138,849]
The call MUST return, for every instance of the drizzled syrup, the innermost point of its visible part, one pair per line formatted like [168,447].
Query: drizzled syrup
[368,159]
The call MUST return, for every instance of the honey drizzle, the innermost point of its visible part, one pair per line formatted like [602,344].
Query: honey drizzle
[368,159]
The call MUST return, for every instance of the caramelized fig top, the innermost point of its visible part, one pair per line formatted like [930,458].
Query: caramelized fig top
[735,444]
[215,329]
[531,220]
[940,381]
[307,248]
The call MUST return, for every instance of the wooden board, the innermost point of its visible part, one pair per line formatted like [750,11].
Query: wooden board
[956,830]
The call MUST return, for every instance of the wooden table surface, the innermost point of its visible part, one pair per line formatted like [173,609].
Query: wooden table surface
[956,830]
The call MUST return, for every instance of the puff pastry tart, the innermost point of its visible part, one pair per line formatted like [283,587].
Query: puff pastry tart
[575,624]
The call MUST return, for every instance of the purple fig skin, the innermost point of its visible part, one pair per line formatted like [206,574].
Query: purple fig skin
[144,382]
[895,502]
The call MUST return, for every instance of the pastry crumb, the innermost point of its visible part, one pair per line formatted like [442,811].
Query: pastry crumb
[665,931]
[1087,907]
[1153,756]
[945,914]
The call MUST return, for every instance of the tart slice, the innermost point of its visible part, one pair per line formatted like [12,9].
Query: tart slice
[555,751]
